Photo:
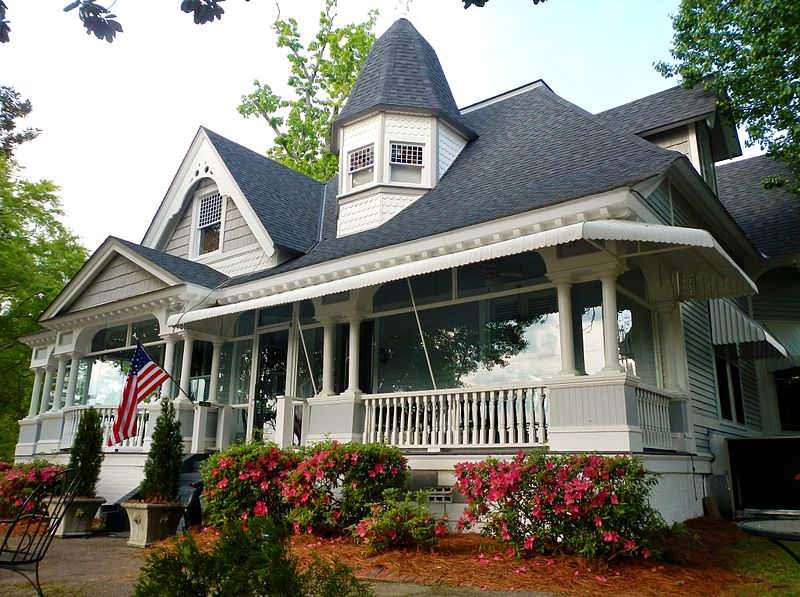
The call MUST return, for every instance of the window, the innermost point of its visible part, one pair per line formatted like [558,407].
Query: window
[361,166]
[209,223]
[405,163]
[729,384]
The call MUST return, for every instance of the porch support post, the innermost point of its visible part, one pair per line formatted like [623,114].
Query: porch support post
[35,393]
[354,345]
[214,383]
[565,329]
[169,361]
[59,391]
[73,379]
[186,368]
[46,390]
[327,358]
[608,280]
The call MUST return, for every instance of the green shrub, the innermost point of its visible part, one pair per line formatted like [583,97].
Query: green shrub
[86,454]
[585,504]
[162,469]
[246,480]
[336,484]
[397,523]
[249,560]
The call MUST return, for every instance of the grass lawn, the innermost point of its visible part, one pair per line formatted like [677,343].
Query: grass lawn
[769,569]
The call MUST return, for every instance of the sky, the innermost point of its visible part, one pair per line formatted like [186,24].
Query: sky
[117,119]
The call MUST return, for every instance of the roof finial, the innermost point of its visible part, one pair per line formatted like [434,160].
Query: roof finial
[403,7]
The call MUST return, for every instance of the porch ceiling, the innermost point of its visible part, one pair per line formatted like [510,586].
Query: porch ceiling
[698,266]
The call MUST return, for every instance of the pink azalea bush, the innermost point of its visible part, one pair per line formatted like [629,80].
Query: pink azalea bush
[589,505]
[17,482]
[399,523]
[335,484]
[246,480]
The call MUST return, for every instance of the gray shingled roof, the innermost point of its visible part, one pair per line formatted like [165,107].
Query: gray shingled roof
[534,150]
[769,217]
[660,110]
[286,202]
[402,70]
[183,269]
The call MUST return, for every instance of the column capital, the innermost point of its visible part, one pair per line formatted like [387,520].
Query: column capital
[612,271]
[560,278]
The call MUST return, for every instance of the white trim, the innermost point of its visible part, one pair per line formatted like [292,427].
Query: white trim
[728,281]
[729,325]
[503,96]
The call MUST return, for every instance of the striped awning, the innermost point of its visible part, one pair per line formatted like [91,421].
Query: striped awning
[730,325]
[698,267]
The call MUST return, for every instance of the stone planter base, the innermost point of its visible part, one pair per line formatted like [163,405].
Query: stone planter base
[152,522]
[77,521]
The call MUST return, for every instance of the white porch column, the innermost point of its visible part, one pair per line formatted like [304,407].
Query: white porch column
[610,327]
[565,329]
[73,379]
[35,393]
[186,368]
[47,388]
[328,328]
[169,361]
[353,356]
[214,382]
[59,390]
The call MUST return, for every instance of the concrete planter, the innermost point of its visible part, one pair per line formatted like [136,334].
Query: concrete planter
[152,522]
[77,521]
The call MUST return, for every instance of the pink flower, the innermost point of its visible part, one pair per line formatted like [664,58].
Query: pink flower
[243,515]
[629,544]
[599,578]
[610,537]
[440,530]
[222,483]
[521,570]
[260,509]
[645,553]
[529,542]
[597,521]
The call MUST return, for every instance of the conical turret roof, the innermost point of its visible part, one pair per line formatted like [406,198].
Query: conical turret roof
[402,71]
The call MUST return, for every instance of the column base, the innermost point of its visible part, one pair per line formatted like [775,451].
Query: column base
[340,418]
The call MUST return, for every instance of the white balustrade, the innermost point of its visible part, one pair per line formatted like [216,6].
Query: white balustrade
[654,417]
[108,414]
[459,417]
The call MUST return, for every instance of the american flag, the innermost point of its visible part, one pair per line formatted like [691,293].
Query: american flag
[144,376]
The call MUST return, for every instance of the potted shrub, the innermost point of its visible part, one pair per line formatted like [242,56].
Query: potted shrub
[157,515]
[85,460]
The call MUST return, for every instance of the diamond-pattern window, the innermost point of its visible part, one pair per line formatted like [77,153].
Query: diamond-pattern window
[406,154]
[210,210]
[362,158]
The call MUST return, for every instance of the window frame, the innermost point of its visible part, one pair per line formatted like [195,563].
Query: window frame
[728,385]
[370,166]
[197,229]
[421,166]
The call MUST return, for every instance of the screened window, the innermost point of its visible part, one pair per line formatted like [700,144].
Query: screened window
[405,162]
[209,223]
[729,383]
[361,166]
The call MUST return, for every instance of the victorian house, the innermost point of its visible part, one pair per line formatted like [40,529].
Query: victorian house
[515,274]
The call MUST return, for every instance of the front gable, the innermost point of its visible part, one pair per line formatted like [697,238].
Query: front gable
[113,273]
[243,243]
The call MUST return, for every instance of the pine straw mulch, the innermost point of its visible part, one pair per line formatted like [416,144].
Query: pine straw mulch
[471,560]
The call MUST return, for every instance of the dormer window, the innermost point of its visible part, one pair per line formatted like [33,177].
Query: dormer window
[209,223]
[362,166]
[405,163]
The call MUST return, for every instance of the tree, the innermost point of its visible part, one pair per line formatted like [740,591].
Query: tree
[322,77]
[86,454]
[162,469]
[749,50]
[38,255]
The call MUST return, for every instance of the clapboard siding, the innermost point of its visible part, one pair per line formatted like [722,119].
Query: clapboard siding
[661,203]
[237,232]
[178,244]
[699,353]
[120,279]
[778,295]
[752,408]
[675,139]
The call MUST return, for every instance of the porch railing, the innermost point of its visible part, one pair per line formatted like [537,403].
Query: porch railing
[459,417]
[73,416]
[654,417]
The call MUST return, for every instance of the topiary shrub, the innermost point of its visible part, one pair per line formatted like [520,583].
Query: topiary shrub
[589,505]
[246,480]
[86,454]
[336,484]
[399,522]
[162,469]
[248,560]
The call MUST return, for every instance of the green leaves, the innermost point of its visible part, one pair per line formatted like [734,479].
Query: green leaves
[750,51]
[97,19]
[321,75]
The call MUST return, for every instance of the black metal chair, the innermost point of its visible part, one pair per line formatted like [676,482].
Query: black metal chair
[28,536]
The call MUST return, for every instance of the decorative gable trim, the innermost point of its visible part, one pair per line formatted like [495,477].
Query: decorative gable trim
[202,161]
[110,250]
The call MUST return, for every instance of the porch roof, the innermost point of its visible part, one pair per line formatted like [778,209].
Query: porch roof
[729,325]
[698,266]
